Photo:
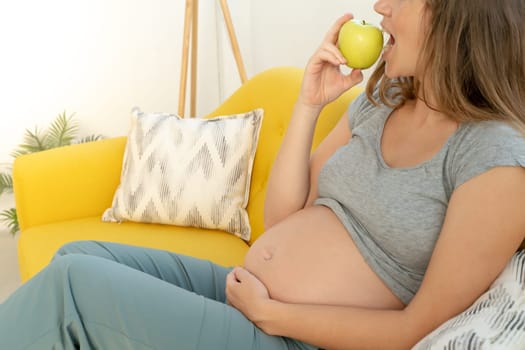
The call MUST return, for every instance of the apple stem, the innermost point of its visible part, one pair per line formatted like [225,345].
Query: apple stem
[363,22]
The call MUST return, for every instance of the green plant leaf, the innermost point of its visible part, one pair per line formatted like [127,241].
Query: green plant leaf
[34,141]
[11,219]
[90,138]
[6,183]
[62,131]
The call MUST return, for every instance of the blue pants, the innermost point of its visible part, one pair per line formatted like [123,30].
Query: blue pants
[97,295]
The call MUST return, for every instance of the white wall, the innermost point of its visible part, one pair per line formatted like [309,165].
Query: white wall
[276,32]
[289,31]
[99,58]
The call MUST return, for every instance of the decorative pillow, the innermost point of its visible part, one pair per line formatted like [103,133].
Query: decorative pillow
[188,172]
[495,321]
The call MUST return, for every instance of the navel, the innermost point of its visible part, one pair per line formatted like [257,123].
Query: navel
[267,253]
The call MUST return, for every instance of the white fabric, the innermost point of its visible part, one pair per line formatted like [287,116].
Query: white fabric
[495,321]
[188,172]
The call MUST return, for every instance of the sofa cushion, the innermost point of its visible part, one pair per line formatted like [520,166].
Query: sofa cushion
[38,244]
[495,321]
[188,172]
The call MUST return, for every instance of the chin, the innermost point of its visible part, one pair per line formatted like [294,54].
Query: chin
[391,76]
[393,73]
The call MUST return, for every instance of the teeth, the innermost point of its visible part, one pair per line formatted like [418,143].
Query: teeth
[388,39]
[390,42]
[386,36]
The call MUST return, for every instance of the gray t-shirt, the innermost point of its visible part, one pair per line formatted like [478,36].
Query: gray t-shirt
[394,215]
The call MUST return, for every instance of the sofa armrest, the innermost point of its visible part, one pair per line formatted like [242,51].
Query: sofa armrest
[67,183]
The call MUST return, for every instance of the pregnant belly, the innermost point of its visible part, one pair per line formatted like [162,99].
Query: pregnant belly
[310,258]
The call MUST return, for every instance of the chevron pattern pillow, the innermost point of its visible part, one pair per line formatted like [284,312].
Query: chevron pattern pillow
[188,172]
[495,321]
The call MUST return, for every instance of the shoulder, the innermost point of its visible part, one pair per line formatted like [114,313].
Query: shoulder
[481,146]
[362,109]
[488,130]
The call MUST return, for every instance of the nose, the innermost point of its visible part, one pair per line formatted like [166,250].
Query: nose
[383,8]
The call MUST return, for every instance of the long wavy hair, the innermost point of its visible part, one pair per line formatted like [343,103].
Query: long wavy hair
[473,58]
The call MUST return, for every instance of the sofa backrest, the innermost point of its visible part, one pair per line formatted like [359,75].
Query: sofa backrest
[275,90]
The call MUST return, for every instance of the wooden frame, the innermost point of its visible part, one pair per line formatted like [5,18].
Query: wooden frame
[191,34]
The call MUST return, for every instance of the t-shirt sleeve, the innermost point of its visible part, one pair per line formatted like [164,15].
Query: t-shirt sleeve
[362,108]
[356,110]
[489,145]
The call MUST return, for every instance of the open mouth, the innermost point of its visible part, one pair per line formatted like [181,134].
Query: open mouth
[391,41]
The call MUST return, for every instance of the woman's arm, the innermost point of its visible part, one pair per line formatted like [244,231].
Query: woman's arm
[289,181]
[293,180]
[338,137]
[483,228]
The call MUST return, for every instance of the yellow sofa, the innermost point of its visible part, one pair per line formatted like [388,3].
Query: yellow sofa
[61,194]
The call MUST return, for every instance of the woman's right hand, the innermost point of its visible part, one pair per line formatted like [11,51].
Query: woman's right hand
[323,80]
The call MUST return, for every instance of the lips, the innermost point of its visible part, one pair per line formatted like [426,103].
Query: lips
[388,43]
[391,41]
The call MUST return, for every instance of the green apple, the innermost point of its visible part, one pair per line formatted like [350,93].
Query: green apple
[360,43]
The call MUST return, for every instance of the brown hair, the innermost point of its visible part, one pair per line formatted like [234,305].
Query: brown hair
[474,58]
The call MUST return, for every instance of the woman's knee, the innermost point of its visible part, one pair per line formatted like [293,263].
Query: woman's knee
[73,277]
[76,247]
[64,264]
[78,269]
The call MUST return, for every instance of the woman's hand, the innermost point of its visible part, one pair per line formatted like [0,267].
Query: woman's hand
[247,294]
[323,81]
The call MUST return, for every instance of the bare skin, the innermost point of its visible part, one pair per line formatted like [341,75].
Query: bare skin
[310,258]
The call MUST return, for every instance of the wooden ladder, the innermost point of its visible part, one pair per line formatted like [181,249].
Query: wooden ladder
[190,34]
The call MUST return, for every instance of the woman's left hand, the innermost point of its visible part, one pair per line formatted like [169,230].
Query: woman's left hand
[246,293]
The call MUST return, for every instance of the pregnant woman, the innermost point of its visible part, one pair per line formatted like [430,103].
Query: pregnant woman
[405,213]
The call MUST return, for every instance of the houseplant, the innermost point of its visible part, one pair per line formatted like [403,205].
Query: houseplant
[61,132]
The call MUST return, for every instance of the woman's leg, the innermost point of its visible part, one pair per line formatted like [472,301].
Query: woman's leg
[196,275]
[90,302]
